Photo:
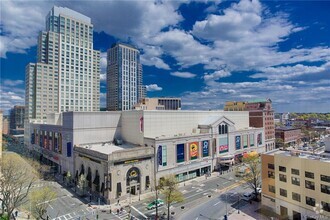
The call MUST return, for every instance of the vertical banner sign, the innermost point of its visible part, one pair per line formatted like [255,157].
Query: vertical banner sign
[41,144]
[141,124]
[259,139]
[56,142]
[164,155]
[180,153]
[205,145]
[68,149]
[251,140]
[60,143]
[245,141]
[160,155]
[238,142]
[193,150]
[46,140]
[50,140]
[223,145]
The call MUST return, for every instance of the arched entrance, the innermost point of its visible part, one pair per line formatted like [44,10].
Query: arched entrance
[133,179]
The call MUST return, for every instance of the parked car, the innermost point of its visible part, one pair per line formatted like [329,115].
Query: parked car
[153,204]
[248,196]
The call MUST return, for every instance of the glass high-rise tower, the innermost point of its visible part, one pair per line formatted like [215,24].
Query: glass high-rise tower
[66,76]
[124,77]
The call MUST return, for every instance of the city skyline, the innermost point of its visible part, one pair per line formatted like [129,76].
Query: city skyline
[219,51]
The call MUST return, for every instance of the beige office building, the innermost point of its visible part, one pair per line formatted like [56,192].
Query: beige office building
[296,185]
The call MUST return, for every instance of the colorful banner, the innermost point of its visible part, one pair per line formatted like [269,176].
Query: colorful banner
[245,141]
[164,155]
[160,155]
[238,142]
[180,153]
[259,139]
[251,140]
[205,145]
[223,145]
[193,150]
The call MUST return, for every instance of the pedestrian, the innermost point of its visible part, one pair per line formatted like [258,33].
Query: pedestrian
[118,202]
[16,213]
[117,211]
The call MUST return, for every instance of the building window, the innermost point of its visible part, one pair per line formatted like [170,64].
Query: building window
[325,178]
[271,175]
[271,188]
[309,185]
[282,169]
[271,166]
[309,175]
[294,171]
[310,201]
[295,181]
[296,196]
[282,177]
[283,192]
[325,189]
[325,206]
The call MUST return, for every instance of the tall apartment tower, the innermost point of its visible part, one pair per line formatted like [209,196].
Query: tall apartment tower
[66,76]
[124,77]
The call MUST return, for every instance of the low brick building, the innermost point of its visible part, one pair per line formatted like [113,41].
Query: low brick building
[289,135]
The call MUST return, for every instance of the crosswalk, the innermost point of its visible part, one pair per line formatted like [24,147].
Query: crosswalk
[123,215]
[77,214]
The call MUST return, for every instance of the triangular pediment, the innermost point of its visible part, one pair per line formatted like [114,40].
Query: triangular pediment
[214,121]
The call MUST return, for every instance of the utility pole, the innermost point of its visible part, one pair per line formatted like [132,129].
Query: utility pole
[155,180]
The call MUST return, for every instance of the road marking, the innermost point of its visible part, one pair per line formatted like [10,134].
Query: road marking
[51,206]
[139,212]
[216,203]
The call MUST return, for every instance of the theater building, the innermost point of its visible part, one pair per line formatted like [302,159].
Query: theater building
[121,153]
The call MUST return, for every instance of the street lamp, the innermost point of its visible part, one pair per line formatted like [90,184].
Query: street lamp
[155,181]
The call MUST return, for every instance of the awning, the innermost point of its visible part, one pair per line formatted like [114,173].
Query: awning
[96,180]
[89,176]
[102,187]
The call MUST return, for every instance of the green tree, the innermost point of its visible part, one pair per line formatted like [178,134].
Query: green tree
[40,200]
[253,175]
[82,183]
[15,182]
[68,177]
[169,188]
[279,142]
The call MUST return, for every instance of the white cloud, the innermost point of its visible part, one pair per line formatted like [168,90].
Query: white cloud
[216,75]
[153,87]
[186,75]
[11,94]
[9,82]
[103,77]
[286,72]
[20,23]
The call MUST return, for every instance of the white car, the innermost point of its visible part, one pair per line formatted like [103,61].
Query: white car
[248,196]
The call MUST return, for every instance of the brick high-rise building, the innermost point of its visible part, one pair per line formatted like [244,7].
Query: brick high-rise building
[261,114]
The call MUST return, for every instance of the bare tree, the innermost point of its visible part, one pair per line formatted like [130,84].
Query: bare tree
[15,182]
[82,183]
[169,188]
[253,174]
[40,199]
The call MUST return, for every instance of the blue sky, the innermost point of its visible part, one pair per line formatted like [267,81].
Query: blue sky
[206,52]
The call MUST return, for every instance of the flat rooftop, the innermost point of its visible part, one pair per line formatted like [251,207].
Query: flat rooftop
[107,148]
[318,154]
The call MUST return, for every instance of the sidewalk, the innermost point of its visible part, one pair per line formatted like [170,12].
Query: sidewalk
[251,211]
